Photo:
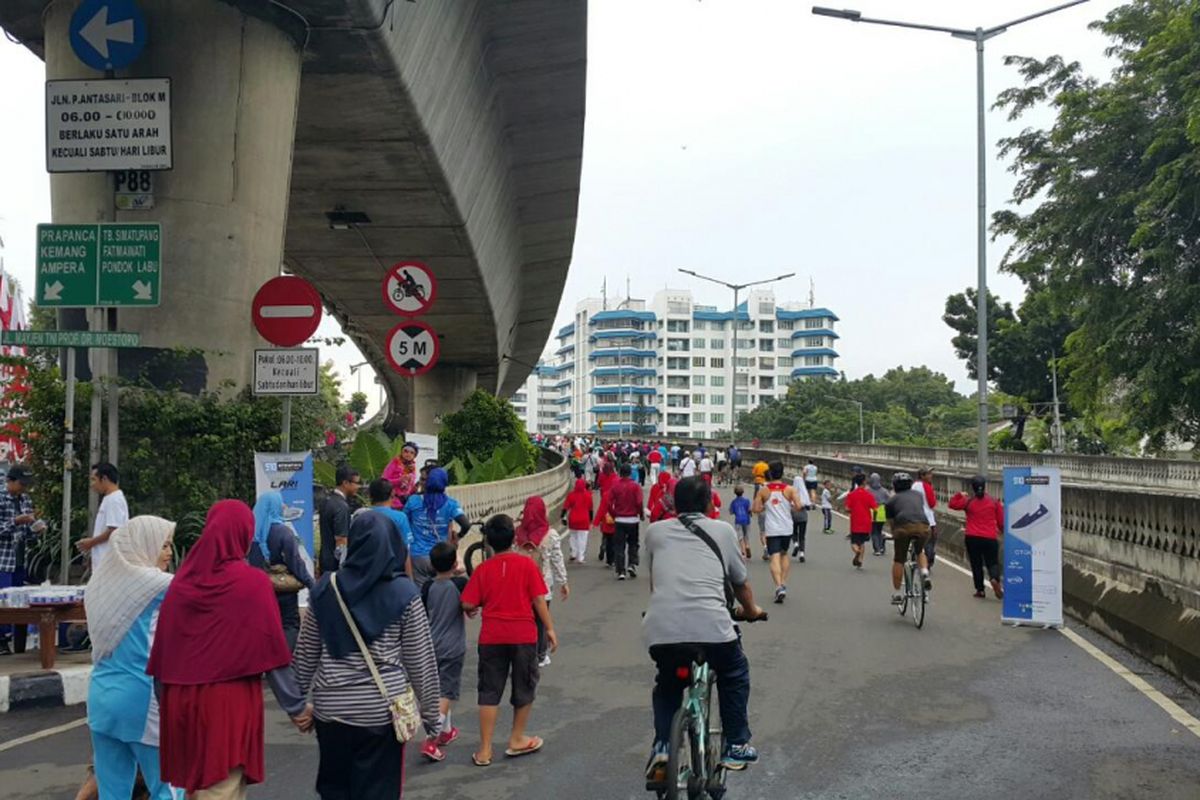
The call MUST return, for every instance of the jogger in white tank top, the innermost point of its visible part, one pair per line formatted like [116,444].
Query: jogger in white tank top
[775,502]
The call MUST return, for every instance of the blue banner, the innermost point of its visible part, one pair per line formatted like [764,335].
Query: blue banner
[290,474]
[1032,546]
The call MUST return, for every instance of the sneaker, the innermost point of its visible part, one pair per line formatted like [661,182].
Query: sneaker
[979,594]
[544,661]
[739,756]
[800,557]
[620,576]
[656,767]
[897,598]
[766,556]
[928,584]
[780,594]
[632,571]
[997,589]
[446,737]
[431,751]
[795,552]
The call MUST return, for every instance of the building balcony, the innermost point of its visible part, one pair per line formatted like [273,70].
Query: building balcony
[566,348]
[621,408]
[801,334]
[561,401]
[622,315]
[565,331]
[815,372]
[814,351]
[807,313]
[562,384]
[621,352]
[619,333]
[627,389]
[624,371]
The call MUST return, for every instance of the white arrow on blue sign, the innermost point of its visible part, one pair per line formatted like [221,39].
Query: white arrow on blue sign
[108,34]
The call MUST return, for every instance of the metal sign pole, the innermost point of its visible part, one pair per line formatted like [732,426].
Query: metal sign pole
[285,439]
[97,358]
[68,466]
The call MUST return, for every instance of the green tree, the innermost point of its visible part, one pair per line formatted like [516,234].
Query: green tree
[358,405]
[484,423]
[1110,194]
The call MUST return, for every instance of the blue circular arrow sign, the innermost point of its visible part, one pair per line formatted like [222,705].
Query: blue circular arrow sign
[108,34]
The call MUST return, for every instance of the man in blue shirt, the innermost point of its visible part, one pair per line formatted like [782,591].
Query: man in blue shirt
[429,517]
[740,510]
[380,494]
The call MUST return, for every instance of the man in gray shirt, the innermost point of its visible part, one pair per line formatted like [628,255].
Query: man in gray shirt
[906,511]
[688,615]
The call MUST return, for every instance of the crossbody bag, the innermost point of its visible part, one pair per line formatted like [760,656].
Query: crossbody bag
[690,524]
[406,719]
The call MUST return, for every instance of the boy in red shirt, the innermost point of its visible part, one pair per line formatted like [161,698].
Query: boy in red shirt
[510,590]
[860,505]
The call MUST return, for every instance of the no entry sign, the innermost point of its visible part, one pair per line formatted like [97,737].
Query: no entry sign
[286,310]
[412,348]
[409,288]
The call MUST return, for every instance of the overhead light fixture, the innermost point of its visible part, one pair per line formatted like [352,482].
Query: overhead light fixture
[342,220]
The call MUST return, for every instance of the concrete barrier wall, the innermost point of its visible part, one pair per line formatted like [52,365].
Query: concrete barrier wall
[1131,560]
[481,500]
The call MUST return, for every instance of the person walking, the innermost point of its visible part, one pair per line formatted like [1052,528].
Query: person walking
[739,509]
[509,589]
[661,501]
[626,506]
[985,520]
[860,505]
[577,518]
[876,488]
[429,516]
[335,518]
[122,601]
[810,481]
[447,625]
[16,517]
[367,627]
[827,505]
[277,546]
[536,539]
[218,631]
[775,503]
[112,514]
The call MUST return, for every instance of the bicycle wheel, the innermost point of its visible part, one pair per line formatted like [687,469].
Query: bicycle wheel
[715,744]
[919,598]
[681,771]
[906,589]
[476,554]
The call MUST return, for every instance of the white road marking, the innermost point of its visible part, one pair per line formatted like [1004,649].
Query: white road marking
[285,312]
[33,737]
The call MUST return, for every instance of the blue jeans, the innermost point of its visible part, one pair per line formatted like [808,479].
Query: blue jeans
[9,580]
[733,686]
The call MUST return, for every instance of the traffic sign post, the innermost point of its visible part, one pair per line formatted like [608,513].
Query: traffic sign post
[412,348]
[286,372]
[409,288]
[109,264]
[108,34]
[106,125]
[286,310]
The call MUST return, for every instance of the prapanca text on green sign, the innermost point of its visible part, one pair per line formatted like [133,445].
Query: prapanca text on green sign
[108,264]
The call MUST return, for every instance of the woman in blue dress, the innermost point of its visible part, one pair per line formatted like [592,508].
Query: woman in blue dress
[429,517]
[122,601]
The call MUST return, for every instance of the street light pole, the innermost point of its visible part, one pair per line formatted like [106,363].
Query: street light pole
[979,36]
[737,288]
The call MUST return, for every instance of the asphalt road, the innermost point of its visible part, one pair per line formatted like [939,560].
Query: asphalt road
[849,701]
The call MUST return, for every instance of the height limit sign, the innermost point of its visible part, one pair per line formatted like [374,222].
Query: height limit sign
[412,348]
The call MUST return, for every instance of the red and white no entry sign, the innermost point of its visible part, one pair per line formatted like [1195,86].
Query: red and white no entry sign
[409,288]
[286,310]
[412,348]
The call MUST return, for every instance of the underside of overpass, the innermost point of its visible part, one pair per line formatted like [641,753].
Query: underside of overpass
[455,127]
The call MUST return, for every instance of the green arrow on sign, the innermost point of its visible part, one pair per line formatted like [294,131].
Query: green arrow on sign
[67,261]
[129,264]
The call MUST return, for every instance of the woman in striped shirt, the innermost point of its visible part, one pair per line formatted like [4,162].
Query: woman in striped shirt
[360,756]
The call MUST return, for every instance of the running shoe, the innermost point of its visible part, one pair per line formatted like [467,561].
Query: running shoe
[446,737]
[620,576]
[544,661]
[632,572]
[780,594]
[997,589]
[980,594]
[656,767]
[766,556]
[897,599]
[800,557]
[1031,517]
[431,751]
[739,756]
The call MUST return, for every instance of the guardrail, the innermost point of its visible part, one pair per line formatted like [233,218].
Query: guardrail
[508,496]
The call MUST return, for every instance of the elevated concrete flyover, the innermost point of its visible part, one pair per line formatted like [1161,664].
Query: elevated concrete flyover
[455,127]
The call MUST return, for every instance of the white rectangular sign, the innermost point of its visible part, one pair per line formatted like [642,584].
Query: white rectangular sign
[108,125]
[1033,546]
[291,371]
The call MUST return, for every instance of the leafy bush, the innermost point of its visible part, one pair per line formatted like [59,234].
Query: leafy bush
[486,424]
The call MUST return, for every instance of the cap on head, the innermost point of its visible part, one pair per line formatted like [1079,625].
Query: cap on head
[21,474]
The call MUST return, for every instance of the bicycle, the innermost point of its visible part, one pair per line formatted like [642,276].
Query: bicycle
[694,769]
[915,594]
[480,551]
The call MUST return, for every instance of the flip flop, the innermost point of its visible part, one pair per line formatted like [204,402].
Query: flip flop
[535,744]
[479,763]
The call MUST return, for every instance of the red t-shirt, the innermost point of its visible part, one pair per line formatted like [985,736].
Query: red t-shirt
[860,503]
[505,587]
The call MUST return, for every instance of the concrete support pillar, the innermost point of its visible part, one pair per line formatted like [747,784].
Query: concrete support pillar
[235,81]
[438,392]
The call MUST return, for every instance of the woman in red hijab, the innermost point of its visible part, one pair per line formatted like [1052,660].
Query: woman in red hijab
[536,539]
[577,516]
[662,498]
[218,631]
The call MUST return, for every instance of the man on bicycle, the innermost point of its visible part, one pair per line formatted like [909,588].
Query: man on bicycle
[688,617]
[906,510]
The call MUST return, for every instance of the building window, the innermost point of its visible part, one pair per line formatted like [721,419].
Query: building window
[782,344]
[814,361]
[698,418]
[699,324]
[678,307]
[766,345]
[678,401]
[766,326]
[766,382]
[742,399]
[716,400]
[698,344]
[677,381]
[745,325]
[716,363]
[698,399]
[741,380]
[717,380]
[785,362]
[766,363]
[745,344]
[786,325]
[677,363]
[697,380]
[716,344]
[677,420]
[677,325]
[698,361]
[766,308]
[745,362]
[813,324]
[717,419]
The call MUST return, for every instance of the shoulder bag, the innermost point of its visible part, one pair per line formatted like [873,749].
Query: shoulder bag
[406,719]
[689,522]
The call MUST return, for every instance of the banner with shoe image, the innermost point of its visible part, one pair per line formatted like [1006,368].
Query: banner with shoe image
[1032,546]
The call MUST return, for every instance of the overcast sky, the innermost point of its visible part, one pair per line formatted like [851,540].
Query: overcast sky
[745,139]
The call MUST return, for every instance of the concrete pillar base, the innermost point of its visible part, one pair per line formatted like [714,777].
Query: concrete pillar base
[438,392]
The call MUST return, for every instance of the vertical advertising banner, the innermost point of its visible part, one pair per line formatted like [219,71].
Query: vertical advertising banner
[1032,546]
[290,474]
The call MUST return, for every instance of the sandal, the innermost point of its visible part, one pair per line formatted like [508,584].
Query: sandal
[535,744]
[477,761]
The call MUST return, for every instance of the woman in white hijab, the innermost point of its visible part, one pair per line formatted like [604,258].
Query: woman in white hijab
[122,600]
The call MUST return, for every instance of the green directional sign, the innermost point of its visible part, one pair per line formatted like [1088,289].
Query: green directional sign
[69,338]
[107,264]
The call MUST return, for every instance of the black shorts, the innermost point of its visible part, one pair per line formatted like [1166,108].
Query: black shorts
[811,485]
[859,538]
[450,676]
[737,463]
[497,662]
[778,544]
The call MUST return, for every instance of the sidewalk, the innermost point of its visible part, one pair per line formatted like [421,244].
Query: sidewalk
[24,684]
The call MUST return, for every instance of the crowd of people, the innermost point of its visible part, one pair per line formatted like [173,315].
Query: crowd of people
[372,658]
